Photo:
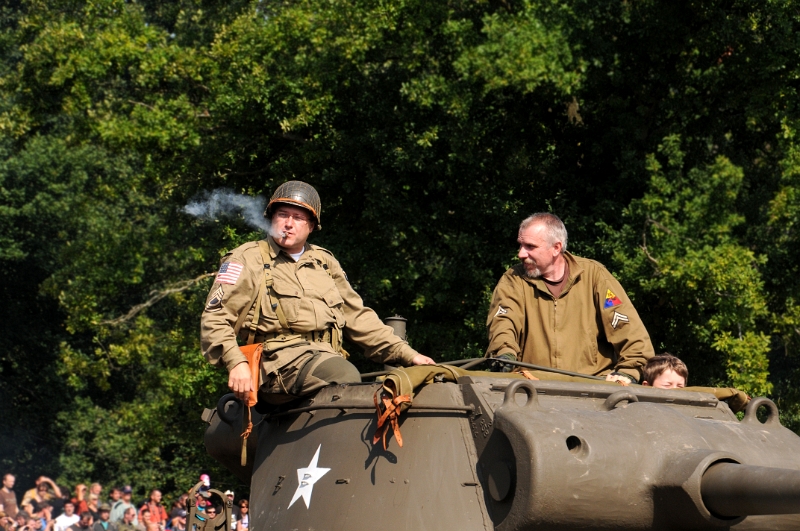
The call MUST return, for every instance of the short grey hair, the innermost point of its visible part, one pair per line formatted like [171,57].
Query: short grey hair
[554,227]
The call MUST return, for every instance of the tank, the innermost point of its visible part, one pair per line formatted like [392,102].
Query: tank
[484,452]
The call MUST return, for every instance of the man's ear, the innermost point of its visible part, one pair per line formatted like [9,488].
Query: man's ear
[557,248]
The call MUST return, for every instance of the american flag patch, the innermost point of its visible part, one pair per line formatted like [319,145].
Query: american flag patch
[229,273]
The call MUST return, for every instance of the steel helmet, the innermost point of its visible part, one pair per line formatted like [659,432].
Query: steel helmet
[300,194]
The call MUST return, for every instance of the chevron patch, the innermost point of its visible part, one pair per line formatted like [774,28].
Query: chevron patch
[619,320]
[501,311]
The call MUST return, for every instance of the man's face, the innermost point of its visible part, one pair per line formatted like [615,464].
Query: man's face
[85,521]
[291,226]
[128,516]
[669,379]
[104,515]
[96,489]
[115,494]
[8,481]
[535,251]
[126,497]
[155,496]
[69,509]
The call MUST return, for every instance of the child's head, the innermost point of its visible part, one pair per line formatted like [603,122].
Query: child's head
[665,371]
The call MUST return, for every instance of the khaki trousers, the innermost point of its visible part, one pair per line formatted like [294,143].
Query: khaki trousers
[305,375]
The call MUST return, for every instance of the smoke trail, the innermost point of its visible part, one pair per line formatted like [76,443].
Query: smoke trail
[227,203]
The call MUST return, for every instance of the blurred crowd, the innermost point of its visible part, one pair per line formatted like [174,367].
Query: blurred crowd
[51,507]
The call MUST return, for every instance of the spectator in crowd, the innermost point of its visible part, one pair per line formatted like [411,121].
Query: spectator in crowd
[96,489]
[211,512]
[201,501]
[103,523]
[21,519]
[178,522]
[43,512]
[4,520]
[92,505]
[128,522]
[145,519]
[119,509]
[242,519]
[79,500]
[183,501]
[158,515]
[58,502]
[63,521]
[41,492]
[35,524]
[114,496]
[8,497]
[84,524]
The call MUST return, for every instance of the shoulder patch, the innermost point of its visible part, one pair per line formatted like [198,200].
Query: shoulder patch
[229,273]
[501,311]
[611,300]
[618,320]
[214,304]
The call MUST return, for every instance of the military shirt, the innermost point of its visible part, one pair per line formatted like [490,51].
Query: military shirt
[591,328]
[313,293]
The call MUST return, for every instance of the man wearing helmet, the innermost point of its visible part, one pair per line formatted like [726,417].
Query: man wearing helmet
[295,299]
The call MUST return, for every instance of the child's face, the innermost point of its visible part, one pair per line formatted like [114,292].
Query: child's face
[668,379]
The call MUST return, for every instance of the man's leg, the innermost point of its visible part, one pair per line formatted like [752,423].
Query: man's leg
[306,375]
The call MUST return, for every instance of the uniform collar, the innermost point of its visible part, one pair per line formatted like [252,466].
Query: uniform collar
[276,249]
[308,252]
[575,271]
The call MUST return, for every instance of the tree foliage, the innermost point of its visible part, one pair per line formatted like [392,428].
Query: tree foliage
[663,133]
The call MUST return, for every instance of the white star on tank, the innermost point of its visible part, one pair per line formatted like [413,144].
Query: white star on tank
[306,477]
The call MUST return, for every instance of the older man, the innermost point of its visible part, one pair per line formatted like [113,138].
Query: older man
[295,299]
[129,522]
[562,311]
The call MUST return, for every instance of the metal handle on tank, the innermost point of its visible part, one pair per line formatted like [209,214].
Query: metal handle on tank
[620,396]
[528,387]
[750,413]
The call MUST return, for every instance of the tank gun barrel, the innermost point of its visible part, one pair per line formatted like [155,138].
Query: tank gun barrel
[730,490]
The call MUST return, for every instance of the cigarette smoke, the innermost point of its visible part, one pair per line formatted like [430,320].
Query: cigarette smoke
[227,203]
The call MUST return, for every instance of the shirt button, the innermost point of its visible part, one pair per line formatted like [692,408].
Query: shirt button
[295,293]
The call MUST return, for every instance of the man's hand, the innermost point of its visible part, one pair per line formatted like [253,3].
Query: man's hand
[421,359]
[239,381]
[497,365]
[620,378]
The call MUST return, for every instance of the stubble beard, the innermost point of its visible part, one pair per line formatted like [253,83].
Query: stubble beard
[531,273]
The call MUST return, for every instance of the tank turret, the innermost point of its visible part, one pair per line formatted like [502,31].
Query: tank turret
[487,452]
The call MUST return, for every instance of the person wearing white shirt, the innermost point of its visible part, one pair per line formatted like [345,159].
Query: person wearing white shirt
[67,518]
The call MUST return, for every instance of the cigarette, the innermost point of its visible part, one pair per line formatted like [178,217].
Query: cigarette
[284,234]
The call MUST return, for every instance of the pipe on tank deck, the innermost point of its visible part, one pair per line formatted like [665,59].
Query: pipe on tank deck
[731,490]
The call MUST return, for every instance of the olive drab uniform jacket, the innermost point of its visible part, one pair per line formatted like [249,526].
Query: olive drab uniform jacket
[312,296]
[592,328]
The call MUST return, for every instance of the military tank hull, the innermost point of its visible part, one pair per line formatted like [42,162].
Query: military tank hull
[486,453]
